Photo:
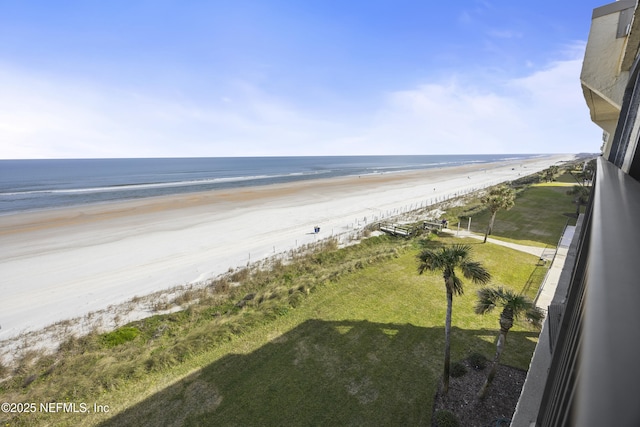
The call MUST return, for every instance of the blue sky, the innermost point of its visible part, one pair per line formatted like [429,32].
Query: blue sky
[292,77]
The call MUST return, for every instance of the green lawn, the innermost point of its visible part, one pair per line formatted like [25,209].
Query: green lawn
[538,217]
[366,350]
[567,178]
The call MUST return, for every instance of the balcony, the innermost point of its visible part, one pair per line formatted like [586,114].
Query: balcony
[589,368]
[613,41]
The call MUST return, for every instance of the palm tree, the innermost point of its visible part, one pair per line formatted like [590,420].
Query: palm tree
[550,173]
[513,306]
[501,197]
[581,196]
[447,259]
[589,171]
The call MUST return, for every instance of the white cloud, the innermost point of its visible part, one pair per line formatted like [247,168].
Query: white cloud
[53,118]
[542,112]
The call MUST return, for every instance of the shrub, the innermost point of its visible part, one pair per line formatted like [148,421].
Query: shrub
[240,275]
[160,305]
[296,299]
[282,311]
[458,369]
[159,360]
[446,418]
[4,370]
[81,345]
[28,380]
[120,336]
[220,286]
[478,361]
[185,297]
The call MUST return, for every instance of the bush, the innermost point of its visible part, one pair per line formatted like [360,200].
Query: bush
[240,275]
[120,336]
[527,180]
[185,297]
[446,418]
[296,299]
[458,369]
[159,359]
[478,361]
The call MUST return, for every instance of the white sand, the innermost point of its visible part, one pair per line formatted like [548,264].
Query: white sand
[60,264]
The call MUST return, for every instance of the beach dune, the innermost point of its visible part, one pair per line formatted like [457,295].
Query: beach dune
[64,263]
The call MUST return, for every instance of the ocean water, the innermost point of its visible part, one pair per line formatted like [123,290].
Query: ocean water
[27,185]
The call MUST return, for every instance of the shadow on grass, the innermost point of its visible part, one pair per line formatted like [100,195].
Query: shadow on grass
[320,373]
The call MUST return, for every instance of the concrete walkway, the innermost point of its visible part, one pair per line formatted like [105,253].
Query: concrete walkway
[544,253]
[556,256]
[551,280]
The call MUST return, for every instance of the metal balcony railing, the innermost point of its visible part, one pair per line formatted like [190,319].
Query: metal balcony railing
[594,377]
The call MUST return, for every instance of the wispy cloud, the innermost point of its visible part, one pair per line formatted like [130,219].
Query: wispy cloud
[542,112]
[46,116]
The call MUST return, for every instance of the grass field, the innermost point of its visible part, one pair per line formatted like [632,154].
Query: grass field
[365,350]
[350,336]
[538,217]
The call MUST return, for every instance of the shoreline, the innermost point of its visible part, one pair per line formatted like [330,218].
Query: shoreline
[65,263]
[53,216]
[208,184]
[7,219]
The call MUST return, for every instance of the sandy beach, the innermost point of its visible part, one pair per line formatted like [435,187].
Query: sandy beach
[65,263]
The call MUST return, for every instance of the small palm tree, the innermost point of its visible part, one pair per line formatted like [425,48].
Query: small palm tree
[447,259]
[589,171]
[580,195]
[550,173]
[513,306]
[499,198]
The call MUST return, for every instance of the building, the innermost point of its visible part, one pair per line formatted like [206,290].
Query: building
[586,367]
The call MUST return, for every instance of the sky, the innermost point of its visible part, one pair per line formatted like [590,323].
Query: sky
[163,78]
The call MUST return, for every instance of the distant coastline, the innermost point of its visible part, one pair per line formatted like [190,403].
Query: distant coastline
[31,185]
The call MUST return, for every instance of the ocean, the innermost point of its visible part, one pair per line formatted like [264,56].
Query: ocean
[27,185]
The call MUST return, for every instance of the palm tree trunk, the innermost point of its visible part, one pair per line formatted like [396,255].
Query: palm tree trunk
[447,344]
[494,365]
[506,323]
[490,226]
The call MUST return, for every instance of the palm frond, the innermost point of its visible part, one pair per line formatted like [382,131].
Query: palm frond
[457,288]
[499,198]
[535,315]
[435,259]
[486,300]
[519,305]
[447,259]
[429,260]
[459,252]
[475,271]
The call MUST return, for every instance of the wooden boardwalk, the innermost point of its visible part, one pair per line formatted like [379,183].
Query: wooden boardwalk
[406,230]
[397,229]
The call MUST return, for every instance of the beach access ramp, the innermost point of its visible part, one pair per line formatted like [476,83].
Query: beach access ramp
[397,229]
[433,225]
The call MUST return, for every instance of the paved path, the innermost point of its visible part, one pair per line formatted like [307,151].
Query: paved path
[548,287]
[546,253]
